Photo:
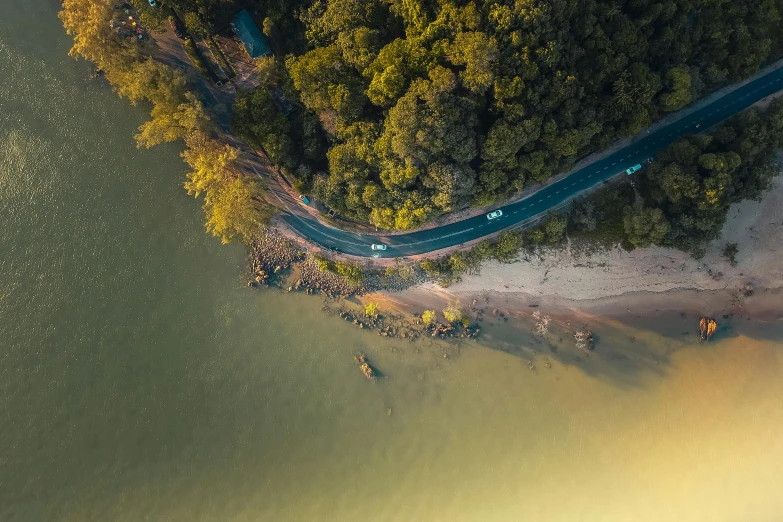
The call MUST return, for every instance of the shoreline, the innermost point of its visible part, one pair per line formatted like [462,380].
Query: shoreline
[646,287]
[572,284]
[509,323]
[644,281]
[762,303]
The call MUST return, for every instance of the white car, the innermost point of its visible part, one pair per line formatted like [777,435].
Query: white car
[494,215]
[633,169]
[378,247]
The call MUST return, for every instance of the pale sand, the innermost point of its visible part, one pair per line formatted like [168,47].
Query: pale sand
[645,280]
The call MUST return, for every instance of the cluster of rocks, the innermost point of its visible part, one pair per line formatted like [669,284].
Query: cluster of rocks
[542,323]
[314,280]
[495,313]
[399,278]
[707,327]
[380,324]
[584,340]
[452,330]
[350,316]
[366,368]
[271,253]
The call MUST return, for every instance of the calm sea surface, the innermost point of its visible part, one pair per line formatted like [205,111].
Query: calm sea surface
[140,379]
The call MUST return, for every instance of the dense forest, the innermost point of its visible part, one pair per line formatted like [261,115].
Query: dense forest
[407,110]
[688,190]
[413,108]
[680,201]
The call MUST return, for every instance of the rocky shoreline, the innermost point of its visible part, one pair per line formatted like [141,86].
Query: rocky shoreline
[273,257]
[276,262]
[398,326]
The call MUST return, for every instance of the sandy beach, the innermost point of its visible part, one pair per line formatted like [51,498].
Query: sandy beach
[567,282]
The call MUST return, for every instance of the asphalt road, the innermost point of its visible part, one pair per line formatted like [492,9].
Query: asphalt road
[552,196]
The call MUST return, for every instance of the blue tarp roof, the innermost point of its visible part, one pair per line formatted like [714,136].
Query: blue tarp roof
[247,31]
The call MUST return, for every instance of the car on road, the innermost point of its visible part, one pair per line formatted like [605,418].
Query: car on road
[633,169]
[494,215]
[379,246]
[304,199]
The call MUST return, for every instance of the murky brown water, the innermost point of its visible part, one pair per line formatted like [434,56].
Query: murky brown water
[139,379]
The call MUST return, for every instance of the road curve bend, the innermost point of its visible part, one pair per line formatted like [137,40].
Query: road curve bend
[550,197]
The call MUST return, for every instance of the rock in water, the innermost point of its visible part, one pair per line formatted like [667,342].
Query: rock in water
[364,365]
[707,327]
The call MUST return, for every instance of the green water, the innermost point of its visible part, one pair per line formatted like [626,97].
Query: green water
[140,379]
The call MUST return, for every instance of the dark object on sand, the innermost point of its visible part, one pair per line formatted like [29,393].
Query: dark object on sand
[707,327]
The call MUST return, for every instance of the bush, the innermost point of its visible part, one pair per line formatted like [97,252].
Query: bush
[554,228]
[299,186]
[730,253]
[536,236]
[371,310]
[324,264]
[406,271]
[220,56]
[508,245]
[428,317]
[269,27]
[350,272]
[452,313]
[196,26]
[195,57]
[430,267]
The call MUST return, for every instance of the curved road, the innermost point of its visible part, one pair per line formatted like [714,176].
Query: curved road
[550,197]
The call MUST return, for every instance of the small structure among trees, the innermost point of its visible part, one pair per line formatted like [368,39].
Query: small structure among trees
[250,35]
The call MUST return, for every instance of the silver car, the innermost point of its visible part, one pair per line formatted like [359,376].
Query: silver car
[494,215]
[378,247]
[633,169]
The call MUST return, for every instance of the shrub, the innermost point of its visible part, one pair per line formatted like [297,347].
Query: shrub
[536,236]
[195,57]
[555,228]
[324,264]
[428,317]
[350,272]
[371,310]
[429,266]
[298,186]
[406,271]
[507,246]
[730,253]
[452,313]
